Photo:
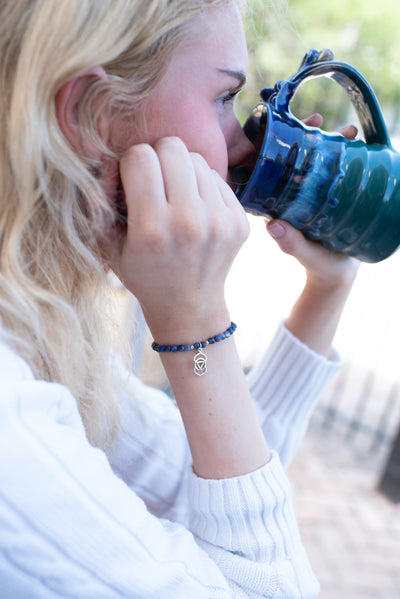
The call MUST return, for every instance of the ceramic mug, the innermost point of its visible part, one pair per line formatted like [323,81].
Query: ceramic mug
[343,193]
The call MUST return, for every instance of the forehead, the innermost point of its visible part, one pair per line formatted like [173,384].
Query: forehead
[216,39]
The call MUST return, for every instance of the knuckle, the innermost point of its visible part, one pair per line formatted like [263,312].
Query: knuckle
[289,246]
[149,235]
[230,231]
[216,231]
[190,231]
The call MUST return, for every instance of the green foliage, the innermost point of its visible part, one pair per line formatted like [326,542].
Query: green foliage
[364,33]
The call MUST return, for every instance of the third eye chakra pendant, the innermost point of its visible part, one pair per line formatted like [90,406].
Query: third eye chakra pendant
[200,363]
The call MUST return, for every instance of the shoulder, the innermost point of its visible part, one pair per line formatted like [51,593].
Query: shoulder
[12,366]
[26,402]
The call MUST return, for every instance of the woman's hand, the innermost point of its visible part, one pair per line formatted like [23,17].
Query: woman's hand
[184,229]
[324,267]
[330,276]
[315,120]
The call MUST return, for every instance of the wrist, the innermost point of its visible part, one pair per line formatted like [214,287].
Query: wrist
[328,284]
[180,327]
[199,346]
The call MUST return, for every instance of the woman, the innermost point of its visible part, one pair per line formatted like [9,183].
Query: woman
[118,134]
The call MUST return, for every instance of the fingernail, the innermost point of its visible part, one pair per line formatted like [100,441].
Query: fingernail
[276,230]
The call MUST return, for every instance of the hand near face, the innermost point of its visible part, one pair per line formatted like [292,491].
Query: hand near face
[184,229]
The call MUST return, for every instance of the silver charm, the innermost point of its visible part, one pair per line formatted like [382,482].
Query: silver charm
[200,363]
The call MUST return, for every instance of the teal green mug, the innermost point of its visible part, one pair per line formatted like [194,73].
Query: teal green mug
[342,193]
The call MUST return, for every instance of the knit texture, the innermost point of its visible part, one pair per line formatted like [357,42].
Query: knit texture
[138,522]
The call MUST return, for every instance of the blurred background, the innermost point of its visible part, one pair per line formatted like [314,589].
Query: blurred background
[363,33]
[351,530]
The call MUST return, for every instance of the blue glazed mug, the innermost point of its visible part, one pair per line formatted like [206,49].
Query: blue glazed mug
[343,193]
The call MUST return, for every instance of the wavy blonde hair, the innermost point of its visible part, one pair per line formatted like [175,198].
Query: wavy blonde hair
[54,291]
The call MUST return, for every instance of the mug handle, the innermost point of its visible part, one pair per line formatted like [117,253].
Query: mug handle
[321,64]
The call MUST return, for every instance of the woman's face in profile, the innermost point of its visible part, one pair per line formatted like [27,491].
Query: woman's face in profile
[195,99]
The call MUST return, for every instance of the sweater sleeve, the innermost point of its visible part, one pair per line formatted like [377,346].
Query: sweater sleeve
[151,451]
[286,384]
[69,527]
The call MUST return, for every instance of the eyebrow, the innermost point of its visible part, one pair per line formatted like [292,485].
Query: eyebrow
[238,75]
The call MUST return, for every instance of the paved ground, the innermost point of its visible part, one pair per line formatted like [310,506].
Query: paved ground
[351,532]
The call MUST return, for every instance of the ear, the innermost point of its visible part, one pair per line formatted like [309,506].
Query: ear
[67,102]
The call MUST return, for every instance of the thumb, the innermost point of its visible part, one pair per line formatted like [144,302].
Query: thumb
[292,241]
[287,237]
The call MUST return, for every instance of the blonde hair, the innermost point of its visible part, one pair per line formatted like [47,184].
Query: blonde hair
[54,291]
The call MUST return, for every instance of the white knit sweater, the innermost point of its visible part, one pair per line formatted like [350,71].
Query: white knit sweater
[78,524]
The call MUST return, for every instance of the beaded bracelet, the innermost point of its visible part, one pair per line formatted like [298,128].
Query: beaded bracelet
[200,359]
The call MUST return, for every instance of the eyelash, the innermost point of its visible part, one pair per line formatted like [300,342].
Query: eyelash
[229,97]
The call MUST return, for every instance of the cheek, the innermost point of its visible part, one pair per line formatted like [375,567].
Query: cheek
[124,133]
[216,155]
[199,127]
[209,141]
[200,130]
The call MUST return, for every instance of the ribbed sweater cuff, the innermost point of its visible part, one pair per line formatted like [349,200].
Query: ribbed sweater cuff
[290,376]
[251,514]
[286,384]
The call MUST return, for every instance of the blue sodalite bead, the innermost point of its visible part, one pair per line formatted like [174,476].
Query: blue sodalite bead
[197,345]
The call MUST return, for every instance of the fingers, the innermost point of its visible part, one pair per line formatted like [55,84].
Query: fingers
[290,240]
[169,175]
[142,180]
[349,132]
[321,263]
[226,216]
[184,228]
[209,189]
[314,120]
[178,172]
[311,254]
[156,177]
